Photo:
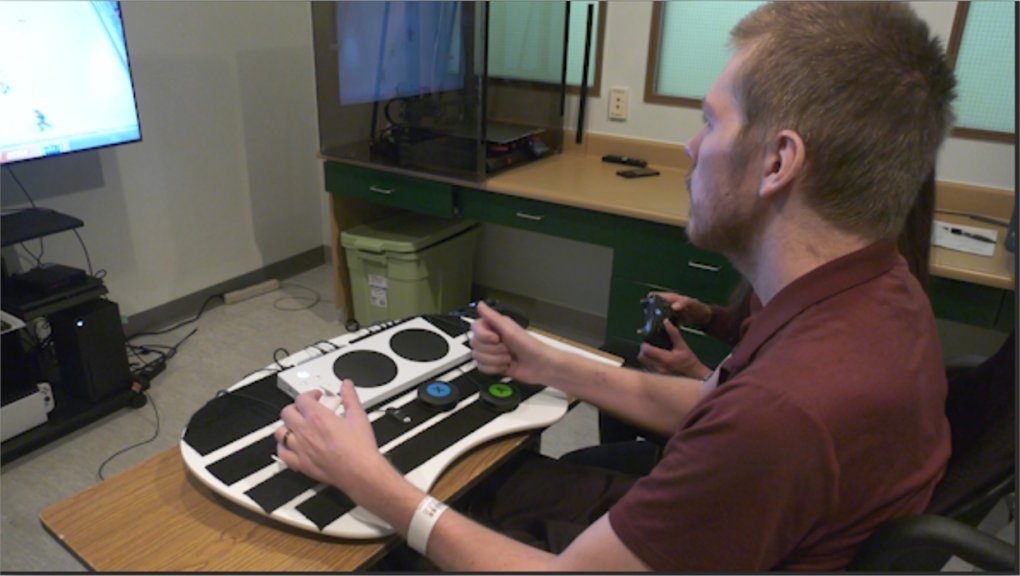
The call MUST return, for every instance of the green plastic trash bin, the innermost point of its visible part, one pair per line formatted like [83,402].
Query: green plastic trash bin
[408,265]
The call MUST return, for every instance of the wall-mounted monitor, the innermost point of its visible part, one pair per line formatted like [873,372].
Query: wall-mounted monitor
[393,50]
[65,79]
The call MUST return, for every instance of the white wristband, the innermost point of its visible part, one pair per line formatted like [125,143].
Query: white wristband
[424,519]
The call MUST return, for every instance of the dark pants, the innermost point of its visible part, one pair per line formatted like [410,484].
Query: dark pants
[543,502]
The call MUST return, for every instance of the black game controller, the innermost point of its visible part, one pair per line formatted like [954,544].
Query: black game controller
[652,331]
[513,312]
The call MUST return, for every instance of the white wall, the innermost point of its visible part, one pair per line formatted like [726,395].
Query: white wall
[625,53]
[225,180]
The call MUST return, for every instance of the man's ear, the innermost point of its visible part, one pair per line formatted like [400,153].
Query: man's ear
[784,163]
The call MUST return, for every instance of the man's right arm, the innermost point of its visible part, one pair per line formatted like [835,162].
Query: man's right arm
[654,401]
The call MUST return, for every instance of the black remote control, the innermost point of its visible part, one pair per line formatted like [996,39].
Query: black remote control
[627,160]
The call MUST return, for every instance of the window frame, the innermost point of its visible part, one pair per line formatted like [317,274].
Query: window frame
[654,41]
[952,52]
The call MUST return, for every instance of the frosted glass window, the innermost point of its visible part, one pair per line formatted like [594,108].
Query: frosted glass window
[986,68]
[693,45]
[526,40]
[575,54]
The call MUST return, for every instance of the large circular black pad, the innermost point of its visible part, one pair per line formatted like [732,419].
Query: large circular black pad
[419,345]
[368,369]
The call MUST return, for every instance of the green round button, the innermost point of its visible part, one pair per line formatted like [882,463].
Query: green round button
[501,390]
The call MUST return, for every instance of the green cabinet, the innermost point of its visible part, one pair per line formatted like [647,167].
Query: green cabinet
[972,304]
[537,216]
[659,258]
[626,315]
[390,189]
[647,256]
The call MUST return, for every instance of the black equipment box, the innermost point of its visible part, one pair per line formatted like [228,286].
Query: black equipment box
[91,349]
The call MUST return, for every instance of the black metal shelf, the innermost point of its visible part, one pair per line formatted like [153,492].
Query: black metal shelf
[69,413]
[33,223]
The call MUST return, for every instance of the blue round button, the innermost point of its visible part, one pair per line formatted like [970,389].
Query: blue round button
[438,389]
[439,395]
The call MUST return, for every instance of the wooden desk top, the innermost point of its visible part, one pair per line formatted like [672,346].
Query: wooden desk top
[585,181]
[996,271]
[156,517]
[952,200]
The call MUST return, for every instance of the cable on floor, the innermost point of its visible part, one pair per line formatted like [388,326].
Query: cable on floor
[201,311]
[155,435]
[315,298]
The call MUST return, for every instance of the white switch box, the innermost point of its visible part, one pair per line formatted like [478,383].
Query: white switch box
[619,101]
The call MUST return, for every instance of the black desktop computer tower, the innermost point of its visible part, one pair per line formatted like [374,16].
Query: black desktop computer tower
[90,348]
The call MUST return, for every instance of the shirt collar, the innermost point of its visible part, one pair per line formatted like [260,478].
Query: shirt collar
[819,284]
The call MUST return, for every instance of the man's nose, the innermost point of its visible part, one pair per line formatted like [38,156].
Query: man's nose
[691,147]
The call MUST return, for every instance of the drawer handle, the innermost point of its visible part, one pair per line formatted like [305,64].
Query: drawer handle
[705,267]
[380,190]
[532,217]
[690,330]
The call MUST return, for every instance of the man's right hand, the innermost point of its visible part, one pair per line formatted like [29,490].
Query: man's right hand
[688,311]
[500,346]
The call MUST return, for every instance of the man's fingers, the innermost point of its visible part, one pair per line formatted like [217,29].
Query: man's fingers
[496,321]
[350,400]
[653,357]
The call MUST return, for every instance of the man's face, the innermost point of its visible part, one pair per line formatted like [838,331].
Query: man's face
[722,181]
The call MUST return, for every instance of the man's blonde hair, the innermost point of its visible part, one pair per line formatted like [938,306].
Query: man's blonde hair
[868,89]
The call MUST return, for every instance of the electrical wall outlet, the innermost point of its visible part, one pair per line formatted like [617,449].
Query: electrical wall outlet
[619,101]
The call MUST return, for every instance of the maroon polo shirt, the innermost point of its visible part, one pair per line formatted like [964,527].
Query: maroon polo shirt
[829,419]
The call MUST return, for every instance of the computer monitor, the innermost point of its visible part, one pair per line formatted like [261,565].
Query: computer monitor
[65,79]
[391,50]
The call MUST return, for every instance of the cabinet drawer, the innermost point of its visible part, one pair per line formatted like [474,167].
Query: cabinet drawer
[700,275]
[663,256]
[626,316]
[387,188]
[537,216]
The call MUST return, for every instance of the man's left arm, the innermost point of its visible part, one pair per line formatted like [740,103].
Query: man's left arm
[460,544]
[342,452]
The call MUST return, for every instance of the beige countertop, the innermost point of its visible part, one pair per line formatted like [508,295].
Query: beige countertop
[953,202]
[585,181]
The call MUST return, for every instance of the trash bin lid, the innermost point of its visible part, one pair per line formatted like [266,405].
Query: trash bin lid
[404,233]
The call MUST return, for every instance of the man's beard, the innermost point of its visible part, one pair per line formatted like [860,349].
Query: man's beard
[728,234]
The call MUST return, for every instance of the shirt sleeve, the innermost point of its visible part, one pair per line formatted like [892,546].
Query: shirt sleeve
[736,490]
[724,325]
[728,323]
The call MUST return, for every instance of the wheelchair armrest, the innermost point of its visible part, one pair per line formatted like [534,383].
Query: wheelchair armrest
[924,543]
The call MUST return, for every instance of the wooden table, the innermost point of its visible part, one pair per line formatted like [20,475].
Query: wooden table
[156,517]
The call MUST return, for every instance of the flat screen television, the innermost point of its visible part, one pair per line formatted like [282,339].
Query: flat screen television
[393,50]
[65,79]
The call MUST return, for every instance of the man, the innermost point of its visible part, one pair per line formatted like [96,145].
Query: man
[828,418]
